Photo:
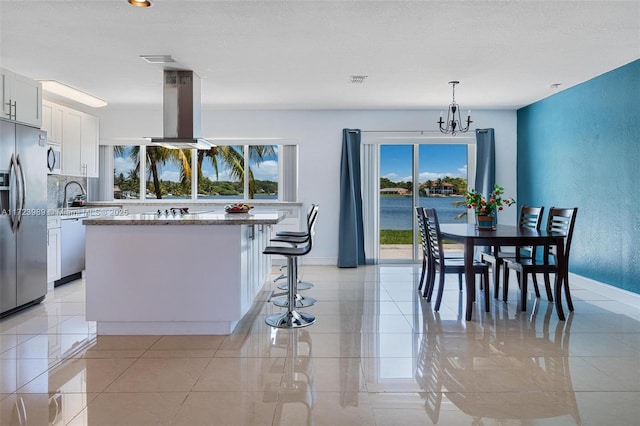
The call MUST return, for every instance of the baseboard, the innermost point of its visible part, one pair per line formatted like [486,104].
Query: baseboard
[306,260]
[333,261]
[607,290]
[615,293]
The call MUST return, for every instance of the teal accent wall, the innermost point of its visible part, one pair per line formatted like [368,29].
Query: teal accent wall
[581,148]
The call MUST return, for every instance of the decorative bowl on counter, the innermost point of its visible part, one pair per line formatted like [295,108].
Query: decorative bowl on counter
[237,208]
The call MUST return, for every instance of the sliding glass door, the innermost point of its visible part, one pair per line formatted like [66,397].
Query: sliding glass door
[441,173]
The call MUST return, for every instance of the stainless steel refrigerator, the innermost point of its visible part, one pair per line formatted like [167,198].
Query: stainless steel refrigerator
[23,216]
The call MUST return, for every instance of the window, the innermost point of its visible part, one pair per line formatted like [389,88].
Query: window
[126,170]
[220,172]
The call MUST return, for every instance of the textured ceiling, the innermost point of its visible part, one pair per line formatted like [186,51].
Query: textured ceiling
[300,54]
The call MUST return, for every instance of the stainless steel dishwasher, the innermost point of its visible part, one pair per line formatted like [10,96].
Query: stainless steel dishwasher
[72,242]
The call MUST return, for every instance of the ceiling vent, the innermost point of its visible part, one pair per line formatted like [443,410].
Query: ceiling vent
[357,79]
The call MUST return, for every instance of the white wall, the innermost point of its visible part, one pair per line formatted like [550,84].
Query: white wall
[319,136]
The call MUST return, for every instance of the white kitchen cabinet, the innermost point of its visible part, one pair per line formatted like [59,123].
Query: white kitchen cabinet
[71,142]
[225,274]
[79,143]
[52,121]
[54,261]
[21,98]
[89,145]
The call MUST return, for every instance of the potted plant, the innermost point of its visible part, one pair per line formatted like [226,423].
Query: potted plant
[486,208]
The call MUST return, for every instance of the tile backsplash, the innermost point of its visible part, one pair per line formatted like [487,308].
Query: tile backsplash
[55,189]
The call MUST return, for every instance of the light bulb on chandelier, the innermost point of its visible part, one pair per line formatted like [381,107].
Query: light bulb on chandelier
[454,122]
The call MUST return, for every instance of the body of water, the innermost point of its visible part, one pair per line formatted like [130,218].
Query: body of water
[398,213]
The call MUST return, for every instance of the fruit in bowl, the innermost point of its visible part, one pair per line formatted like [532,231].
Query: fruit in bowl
[237,208]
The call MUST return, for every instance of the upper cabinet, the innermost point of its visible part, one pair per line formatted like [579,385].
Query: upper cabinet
[21,98]
[89,145]
[52,121]
[77,133]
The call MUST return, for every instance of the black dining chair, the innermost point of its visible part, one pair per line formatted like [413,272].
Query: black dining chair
[427,276]
[530,217]
[560,221]
[442,265]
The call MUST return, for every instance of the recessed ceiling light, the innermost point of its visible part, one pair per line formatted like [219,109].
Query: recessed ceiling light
[139,3]
[357,79]
[69,92]
[158,59]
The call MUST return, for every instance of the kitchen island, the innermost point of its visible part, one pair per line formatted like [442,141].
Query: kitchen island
[194,273]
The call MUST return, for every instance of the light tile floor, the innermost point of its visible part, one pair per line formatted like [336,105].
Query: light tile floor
[378,355]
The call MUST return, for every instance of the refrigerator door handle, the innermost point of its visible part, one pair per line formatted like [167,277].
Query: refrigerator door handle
[23,192]
[13,192]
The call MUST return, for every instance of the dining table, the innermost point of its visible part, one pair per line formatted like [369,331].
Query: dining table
[503,235]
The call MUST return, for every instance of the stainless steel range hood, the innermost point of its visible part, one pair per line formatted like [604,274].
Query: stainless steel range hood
[181,110]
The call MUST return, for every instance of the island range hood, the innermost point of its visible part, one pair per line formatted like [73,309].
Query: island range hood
[181,111]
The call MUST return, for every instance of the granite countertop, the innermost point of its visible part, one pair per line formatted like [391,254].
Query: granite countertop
[203,218]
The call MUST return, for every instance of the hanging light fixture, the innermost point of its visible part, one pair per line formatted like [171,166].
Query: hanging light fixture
[454,121]
[139,3]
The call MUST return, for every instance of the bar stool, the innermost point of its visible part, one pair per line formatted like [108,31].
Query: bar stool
[302,285]
[281,299]
[292,318]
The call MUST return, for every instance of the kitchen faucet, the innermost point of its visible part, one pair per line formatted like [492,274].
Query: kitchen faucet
[66,201]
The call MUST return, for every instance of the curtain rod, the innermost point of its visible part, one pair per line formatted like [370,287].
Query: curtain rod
[401,131]
[408,131]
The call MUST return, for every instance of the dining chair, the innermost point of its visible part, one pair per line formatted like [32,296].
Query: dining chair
[530,217]
[443,265]
[560,221]
[427,269]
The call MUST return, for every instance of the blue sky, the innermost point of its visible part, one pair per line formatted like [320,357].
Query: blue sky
[268,169]
[435,161]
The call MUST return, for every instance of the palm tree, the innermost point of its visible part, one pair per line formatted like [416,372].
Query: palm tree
[220,156]
[233,158]
[156,157]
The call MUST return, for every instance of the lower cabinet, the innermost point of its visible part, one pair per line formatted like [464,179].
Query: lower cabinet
[53,250]
[257,265]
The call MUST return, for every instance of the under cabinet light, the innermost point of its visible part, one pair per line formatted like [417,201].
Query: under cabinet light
[158,59]
[69,92]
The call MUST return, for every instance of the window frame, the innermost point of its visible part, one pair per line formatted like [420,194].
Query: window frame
[287,177]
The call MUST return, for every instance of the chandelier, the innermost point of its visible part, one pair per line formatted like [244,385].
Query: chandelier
[454,121]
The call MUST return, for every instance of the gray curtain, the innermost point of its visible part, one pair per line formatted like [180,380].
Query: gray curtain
[485,161]
[350,225]
[485,168]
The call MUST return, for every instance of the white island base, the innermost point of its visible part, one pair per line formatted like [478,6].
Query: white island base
[173,279]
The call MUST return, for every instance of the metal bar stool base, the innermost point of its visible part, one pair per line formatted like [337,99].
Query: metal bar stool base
[301,301]
[280,277]
[302,285]
[290,319]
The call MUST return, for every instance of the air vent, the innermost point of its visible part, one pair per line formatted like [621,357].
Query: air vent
[357,79]
[158,59]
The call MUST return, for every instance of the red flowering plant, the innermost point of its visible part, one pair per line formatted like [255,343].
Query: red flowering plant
[487,206]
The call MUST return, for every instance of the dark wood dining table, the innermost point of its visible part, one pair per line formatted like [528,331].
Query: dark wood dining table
[503,235]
